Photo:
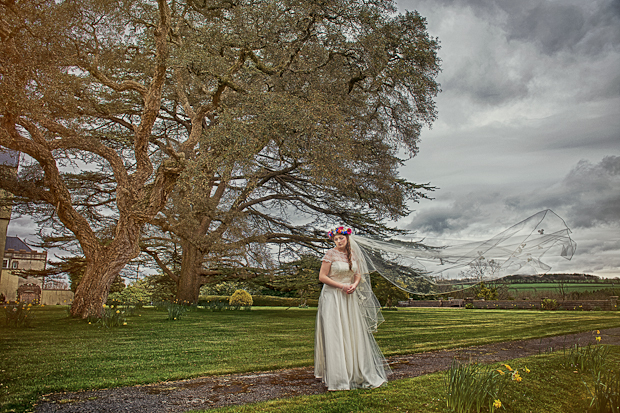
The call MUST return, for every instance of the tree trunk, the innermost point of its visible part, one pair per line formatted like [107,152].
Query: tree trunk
[102,266]
[92,292]
[190,280]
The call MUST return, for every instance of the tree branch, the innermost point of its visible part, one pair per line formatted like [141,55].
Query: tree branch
[162,265]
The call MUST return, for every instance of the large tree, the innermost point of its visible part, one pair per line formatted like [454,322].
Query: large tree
[81,89]
[261,108]
[323,98]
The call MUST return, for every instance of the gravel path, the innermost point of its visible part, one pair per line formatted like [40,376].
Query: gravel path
[216,391]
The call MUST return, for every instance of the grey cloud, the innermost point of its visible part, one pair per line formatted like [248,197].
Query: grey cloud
[553,26]
[589,195]
[486,82]
[498,52]
[457,216]
[587,28]
[438,220]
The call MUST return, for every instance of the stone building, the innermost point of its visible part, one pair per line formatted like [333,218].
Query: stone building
[14,286]
[9,160]
[18,256]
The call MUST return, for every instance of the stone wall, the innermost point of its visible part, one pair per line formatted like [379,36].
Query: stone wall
[8,285]
[56,297]
[572,305]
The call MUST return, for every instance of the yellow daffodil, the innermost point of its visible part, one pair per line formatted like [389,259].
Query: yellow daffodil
[125,323]
[118,311]
[598,332]
[89,322]
[500,372]
[104,306]
[507,366]
[598,339]
[527,370]
[497,404]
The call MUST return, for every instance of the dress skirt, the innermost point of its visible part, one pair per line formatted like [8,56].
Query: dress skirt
[346,355]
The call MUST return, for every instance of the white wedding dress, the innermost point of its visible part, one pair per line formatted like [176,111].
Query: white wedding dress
[346,355]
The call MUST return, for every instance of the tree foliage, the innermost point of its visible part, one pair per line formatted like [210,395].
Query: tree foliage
[150,289]
[300,276]
[486,292]
[323,98]
[387,293]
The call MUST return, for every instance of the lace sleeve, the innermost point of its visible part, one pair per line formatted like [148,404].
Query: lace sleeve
[329,256]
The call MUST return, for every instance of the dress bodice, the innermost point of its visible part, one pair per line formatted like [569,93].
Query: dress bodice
[340,266]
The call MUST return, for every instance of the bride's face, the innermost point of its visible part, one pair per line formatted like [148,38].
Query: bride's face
[340,240]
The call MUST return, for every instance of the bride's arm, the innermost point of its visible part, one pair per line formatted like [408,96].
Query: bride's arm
[323,276]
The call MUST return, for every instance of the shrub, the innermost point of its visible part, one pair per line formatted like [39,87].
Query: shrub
[206,300]
[215,303]
[469,305]
[240,298]
[272,301]
[210,301]
[487,293]
[226,288]
[548,304]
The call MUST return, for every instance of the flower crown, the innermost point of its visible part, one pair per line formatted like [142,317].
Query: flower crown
[339,230]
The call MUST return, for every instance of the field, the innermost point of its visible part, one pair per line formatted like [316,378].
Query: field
[555,287]
[63,354]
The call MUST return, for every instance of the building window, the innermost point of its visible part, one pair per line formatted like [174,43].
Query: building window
[14,265]
[5,263]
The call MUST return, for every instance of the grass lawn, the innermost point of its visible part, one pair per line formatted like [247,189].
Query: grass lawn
[547,388]
[63,354]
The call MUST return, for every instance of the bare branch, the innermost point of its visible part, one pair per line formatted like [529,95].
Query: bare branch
[161,264]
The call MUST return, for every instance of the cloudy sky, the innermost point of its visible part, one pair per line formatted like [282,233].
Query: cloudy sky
[529,119]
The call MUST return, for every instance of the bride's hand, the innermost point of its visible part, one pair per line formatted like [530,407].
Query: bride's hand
[349,289]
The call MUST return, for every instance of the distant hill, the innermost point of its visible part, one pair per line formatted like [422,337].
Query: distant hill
[518,279]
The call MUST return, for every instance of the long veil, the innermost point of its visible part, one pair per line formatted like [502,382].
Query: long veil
[424,269]
[369,304]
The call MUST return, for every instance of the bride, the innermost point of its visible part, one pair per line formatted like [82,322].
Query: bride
[346,355]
